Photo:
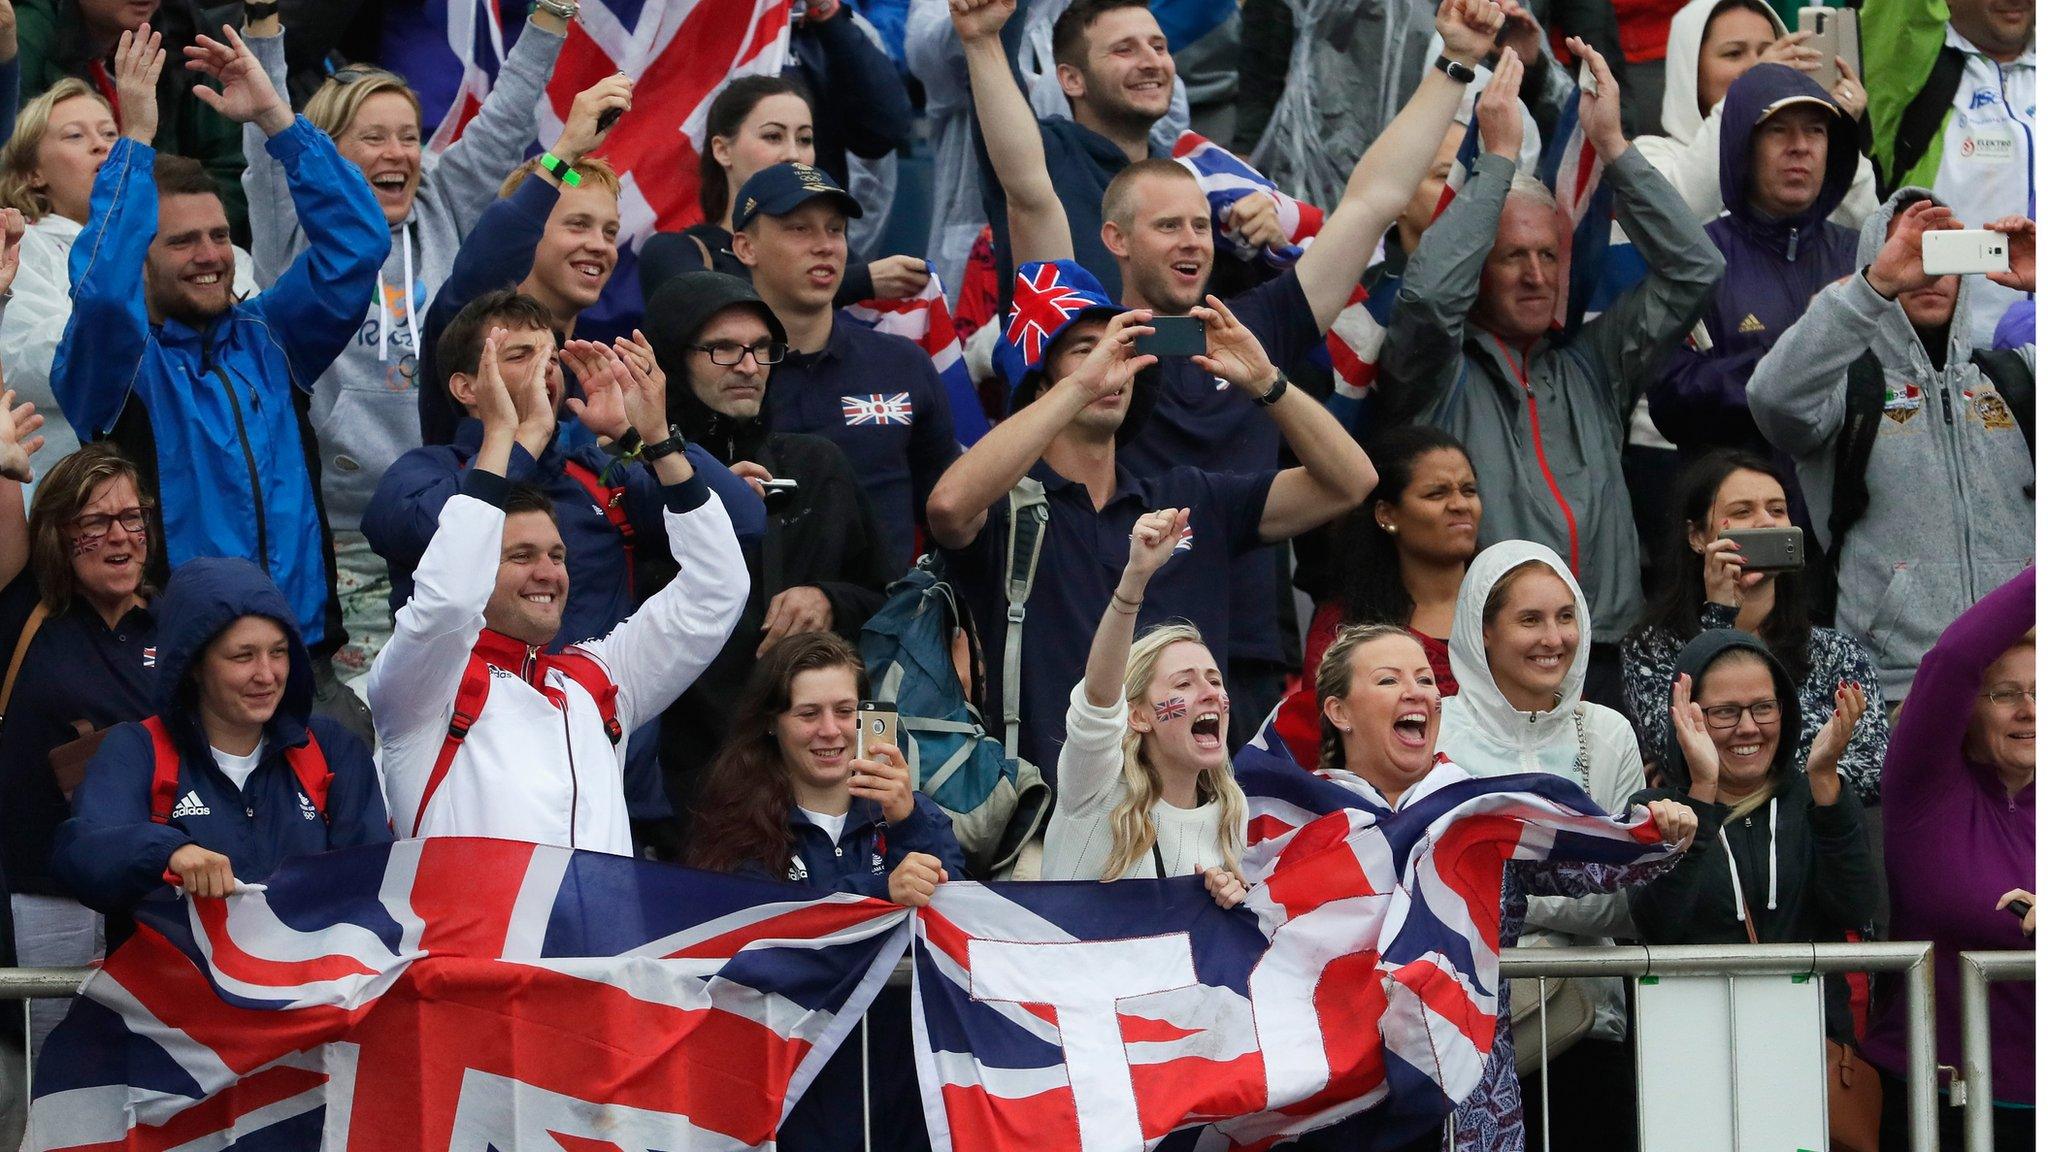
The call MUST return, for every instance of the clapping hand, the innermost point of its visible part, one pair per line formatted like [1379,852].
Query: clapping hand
[1689,724]
[18,439]
[1235,354]
[138,62]
[602,408]
[490,398]
[246,95]
[1832,740]
[1499,110]
[1600,109]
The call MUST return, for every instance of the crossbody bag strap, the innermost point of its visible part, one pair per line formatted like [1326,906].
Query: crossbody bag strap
[34,624]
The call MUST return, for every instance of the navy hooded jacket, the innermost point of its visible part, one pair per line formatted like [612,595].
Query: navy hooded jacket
[1774,268]
[110,854]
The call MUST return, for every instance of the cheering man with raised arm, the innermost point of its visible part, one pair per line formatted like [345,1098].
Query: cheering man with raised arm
[1156,229]
[486,730]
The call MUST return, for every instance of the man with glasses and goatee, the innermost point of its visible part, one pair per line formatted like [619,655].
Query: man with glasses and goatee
[823,561]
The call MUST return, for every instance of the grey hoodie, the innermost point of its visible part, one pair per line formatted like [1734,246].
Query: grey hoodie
[1548,451]
[365,409]
[1951,481]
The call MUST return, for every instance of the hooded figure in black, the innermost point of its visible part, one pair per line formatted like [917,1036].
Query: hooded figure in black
[1788,157]
[112,852]
[1804,866]
[822,563]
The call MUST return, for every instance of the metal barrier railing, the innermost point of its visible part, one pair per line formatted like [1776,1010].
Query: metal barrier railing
[1915,960]
[1978,970]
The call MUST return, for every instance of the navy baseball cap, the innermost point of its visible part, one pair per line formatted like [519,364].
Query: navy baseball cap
[780,189]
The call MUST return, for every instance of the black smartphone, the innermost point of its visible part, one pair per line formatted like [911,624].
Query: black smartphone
[1174,336]
[1769,549]
[607,118]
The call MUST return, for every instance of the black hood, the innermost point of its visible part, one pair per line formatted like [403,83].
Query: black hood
[681,308]
[1698,656]
[204,597]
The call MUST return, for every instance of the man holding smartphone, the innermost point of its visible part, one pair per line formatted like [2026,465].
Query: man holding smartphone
[1071,357]
[823,561]
[1941,509]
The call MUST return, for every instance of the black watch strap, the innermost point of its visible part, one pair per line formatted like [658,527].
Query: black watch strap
[1273,394]
[254,10]
[661,448]
[1462,73]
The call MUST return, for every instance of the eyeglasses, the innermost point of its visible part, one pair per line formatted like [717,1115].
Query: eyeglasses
[1729,715]
[94,526]
[2008,695]
[727,354]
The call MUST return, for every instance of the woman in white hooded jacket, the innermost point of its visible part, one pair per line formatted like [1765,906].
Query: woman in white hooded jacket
[1519,649]
[1728,36]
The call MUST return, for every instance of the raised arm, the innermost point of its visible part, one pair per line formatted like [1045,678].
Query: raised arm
[1152,544]
[315,306]
[1038,222]
[18,441]
[273,220]
[1334,476]
[1387,175]
[1796,393]
[960,501]
[467,175]
[1929,735]
[108,333]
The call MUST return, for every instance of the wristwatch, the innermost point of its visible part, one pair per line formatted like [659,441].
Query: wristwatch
[564,10]
[1272,395]
[661,448]
[1462,73]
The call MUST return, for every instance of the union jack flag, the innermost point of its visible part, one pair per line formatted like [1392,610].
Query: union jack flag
[924,320]
[1225,180]
[468,995]
[1361,976]
[876,409]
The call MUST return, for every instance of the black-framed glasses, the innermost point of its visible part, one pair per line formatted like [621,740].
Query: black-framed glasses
[1729,715]
[2008,695]
[97,524]
[728,354]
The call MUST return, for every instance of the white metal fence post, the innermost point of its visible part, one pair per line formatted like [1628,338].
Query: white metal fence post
[1978,970]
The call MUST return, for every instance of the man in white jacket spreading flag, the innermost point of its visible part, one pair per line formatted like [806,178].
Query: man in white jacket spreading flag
[486,729]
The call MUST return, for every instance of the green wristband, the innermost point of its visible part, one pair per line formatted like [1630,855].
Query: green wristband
[561,170]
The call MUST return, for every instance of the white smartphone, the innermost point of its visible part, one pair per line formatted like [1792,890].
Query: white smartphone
[1964,251]
[1836,32]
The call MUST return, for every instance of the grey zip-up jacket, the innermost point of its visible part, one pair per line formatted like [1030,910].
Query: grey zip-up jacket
[1548,452]
[365,408]
[1951,483]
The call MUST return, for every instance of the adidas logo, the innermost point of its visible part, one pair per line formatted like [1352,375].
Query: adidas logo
[190,805]
[1750,324]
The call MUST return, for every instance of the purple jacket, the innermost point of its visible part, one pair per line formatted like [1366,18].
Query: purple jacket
[1774,267]
[1954,842]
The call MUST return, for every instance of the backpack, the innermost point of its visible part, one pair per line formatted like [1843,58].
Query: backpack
[1923,118]
[1863,408]
[307,762]
[998,802]
[475,688]
[610,499]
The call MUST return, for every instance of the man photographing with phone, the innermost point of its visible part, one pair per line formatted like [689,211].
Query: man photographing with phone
[823,560]
[1912,442]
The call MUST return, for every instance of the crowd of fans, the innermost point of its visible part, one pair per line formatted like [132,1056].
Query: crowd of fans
[281,383]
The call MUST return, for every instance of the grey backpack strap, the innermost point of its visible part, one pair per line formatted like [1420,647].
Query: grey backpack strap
[1028,515]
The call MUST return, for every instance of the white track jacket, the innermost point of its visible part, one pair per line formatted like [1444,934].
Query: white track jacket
[537,764]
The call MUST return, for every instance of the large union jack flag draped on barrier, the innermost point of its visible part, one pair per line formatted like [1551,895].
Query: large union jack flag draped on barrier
[466,995]
[1361,973]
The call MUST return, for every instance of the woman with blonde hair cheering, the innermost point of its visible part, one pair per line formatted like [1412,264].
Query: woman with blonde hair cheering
[1145,783]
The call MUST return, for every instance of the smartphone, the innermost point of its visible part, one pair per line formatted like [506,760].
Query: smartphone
[1968,251]
[2020,908]
[1836,32]
[1769,549]
[1174,336]
[877,726]
[607,118]
[777,493]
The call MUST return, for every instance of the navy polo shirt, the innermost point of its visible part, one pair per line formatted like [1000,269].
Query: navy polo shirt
[878,397]
[76,669]
[1082,559]
[1200,419]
